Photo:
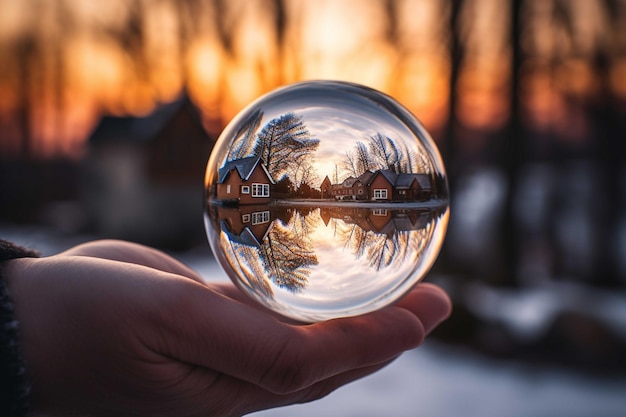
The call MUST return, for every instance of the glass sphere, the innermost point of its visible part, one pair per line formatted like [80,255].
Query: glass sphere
[325,199]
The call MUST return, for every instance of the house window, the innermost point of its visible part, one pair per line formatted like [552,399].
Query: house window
[380,194]
[245,189]
[379,212]
[260,190]
[245,218]
[260,216]
[227,188]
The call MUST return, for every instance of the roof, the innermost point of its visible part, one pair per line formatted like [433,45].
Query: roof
[244,166]
[139,129]
[366,177]
[389,176]
[349,182]
[405,181]
[396,180]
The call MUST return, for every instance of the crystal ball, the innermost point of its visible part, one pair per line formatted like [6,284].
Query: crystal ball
[325,199]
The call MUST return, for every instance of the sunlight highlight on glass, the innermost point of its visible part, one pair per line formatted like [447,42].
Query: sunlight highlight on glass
[325,199]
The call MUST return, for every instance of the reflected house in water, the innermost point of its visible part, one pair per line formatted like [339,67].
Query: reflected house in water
[272,247]
[248,225]
[244,181]
[379,220]
[380,185]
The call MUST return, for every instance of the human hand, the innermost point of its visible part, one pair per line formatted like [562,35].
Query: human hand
[112,328]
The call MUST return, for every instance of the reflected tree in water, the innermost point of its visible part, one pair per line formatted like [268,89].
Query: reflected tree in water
[244,260]
[288,254]
[381,250]
[284,257]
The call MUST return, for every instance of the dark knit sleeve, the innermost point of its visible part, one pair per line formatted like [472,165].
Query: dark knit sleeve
[14,387]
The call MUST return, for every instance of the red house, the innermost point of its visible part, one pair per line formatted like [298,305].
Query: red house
[350,189]
[381,185]
[412,187]
[244,181]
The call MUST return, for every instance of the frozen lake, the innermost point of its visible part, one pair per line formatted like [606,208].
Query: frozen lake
[434,380]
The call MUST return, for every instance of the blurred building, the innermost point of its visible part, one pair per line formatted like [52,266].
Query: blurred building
[143,176]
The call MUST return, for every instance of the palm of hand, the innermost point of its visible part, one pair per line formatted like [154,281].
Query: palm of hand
[112,328]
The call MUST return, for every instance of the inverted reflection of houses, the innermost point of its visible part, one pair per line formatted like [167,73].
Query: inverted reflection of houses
[246,237]
[379,220]
[407,222]
[244,181]
[248,226]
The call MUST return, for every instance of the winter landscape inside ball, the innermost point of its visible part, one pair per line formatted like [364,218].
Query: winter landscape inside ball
[325,199]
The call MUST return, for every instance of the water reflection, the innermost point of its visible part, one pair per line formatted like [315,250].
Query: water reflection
[314,263]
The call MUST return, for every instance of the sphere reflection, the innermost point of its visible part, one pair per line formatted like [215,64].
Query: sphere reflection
[325,199]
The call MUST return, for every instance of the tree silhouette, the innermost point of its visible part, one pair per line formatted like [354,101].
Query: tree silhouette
[382,152]
[305,175]
[385,152]
[244,141]
[244,260]
[287,255]
[382,250]
[284,187]
[363,158]
[284,143]
[350,165]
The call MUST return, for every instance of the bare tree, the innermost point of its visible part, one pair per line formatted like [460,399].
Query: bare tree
[350,164]
[245,138]
[386,153]
[283,143]
[288,255]
[364,159]
[305,174]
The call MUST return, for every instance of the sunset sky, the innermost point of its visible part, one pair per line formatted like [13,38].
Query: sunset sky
[65,63]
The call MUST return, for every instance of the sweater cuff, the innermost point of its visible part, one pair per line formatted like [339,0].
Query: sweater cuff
[14,394]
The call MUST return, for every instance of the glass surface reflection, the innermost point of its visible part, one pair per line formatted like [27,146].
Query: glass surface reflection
[325,199]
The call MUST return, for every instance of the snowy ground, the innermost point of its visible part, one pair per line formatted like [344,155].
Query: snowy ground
[438,381]
[434,380]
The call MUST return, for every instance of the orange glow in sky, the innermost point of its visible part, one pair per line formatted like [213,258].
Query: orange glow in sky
[73,61]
